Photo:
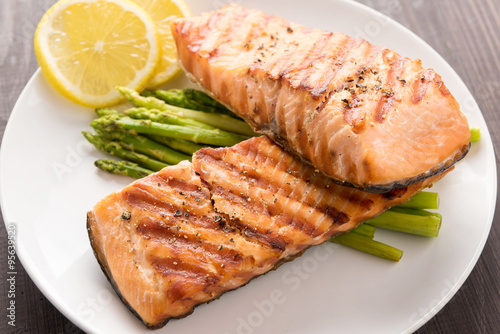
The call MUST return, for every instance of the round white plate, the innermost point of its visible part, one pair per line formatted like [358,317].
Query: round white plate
[48,183]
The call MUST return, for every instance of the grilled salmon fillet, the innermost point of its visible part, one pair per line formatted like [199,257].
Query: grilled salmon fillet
[360,113]
[190,232]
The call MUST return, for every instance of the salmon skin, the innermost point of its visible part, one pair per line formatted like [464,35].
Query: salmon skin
[190,232]
[362,114]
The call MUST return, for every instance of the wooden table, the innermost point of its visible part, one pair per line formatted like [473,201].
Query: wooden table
[464,32]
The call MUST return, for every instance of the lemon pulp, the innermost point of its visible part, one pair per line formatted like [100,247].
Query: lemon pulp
[87,47]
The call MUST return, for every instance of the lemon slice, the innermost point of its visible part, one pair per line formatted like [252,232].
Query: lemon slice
[163,12]
[87,47]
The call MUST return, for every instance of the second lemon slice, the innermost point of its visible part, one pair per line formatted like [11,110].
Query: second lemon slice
[87,47]
[163,12]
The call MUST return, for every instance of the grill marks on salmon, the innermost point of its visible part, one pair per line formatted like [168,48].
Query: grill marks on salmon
[187,234]
[362,114]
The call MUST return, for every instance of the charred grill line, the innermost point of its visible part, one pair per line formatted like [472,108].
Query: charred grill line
[315,54]
[284,189]
[387,96]
[339,60]
[254,201]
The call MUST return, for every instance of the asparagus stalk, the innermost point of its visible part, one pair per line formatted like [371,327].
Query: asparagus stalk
[122,168]
[220,121]
[366,230]
[409,218]
[137,143]
[197,135]
[164,117]
[416,212]
[190,99]
[425,225]
[367,245]
[422,200]
[115,149]
[206,100]
[106,111]
[475,134]
[180,145]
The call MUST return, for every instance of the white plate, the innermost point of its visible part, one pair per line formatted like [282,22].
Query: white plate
[49,182]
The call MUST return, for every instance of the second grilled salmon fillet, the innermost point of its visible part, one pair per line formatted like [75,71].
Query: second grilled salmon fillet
[187,234]
[361,114]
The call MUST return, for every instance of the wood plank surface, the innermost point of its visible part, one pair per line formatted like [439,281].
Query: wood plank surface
[464,32]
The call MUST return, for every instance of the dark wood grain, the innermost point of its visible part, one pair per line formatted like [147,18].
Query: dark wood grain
[464,32]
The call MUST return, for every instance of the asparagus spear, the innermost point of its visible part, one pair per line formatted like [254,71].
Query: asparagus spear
[205,136]
[180,145]
[425,225]
[415,212]
[475,134]
[106,111]
[409,218]
[367,245]
[115,149]
[122,168]
[220,121]
[164,117]
[422,200]
[190,99]
[206,101]
[366,230]
[136,142]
